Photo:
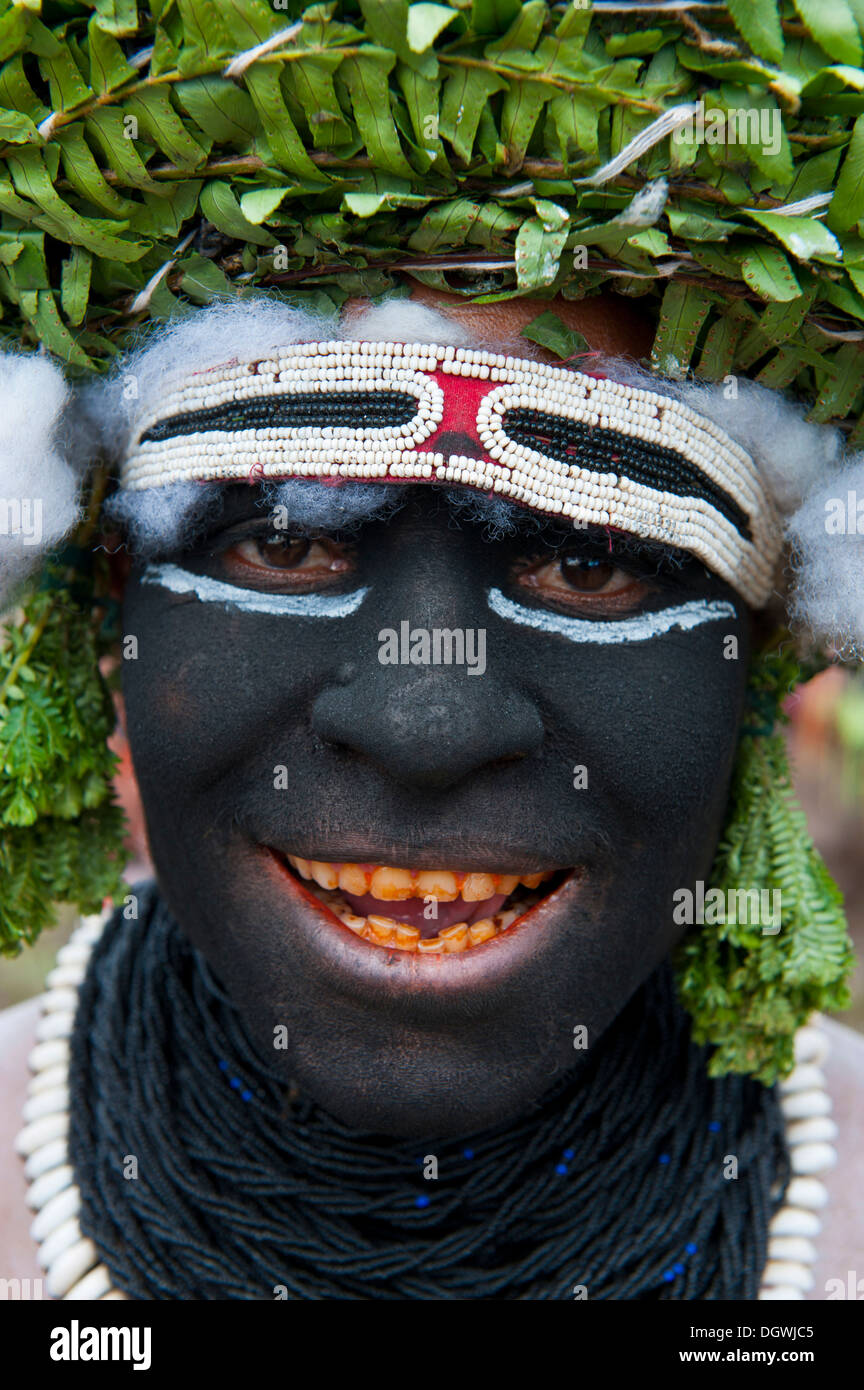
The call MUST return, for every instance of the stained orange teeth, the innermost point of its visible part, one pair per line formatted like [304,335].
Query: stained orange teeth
[392,885]
[397,885]
[325,875]
[383,929]
[438,883]
[352,879]
[482,931]
[478,887]
[355,924]
[455,938]
[407,938]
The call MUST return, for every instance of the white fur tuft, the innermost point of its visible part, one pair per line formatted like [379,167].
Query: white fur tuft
[828,560]
[161,519]
[791,452]
[405,321]
[38,487]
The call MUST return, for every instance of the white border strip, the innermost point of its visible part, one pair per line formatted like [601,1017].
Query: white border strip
[207,590]
[638,628]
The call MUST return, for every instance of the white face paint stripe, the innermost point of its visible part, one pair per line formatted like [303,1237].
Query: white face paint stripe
[637,628]
[180,581]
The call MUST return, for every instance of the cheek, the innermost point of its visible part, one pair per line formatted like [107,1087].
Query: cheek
[208,689]
[654,725]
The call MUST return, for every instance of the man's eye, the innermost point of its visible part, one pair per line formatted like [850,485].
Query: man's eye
[292,559]
[587,583]
[592,576]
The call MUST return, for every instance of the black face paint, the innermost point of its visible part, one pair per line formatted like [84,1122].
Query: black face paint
[430,767]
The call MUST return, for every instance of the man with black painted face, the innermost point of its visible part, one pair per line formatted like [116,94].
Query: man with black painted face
[427,799]
[430,907]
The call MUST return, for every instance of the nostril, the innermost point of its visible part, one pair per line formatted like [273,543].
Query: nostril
[508,758]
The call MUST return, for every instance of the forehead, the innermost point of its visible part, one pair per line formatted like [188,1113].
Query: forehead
[609,324]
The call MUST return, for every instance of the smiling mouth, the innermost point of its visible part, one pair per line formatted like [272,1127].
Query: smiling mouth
[437,911]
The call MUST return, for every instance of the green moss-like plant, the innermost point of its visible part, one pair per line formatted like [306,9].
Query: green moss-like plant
[746,989]
[61,831]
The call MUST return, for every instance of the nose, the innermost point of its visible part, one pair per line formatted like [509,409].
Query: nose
[429,727]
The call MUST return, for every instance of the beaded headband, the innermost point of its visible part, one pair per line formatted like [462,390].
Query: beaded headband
[558,441]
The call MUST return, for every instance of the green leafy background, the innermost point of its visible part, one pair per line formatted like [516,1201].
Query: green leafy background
[141,174]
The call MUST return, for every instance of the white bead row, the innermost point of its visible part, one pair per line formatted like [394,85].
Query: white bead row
[73,1269]
[806,1106]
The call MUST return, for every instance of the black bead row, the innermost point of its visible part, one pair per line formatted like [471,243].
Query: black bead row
[346,409]
[607,451]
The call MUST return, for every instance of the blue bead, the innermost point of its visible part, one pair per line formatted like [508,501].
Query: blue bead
[678,1269]
[467,1153]
[236,1083]
[421,1201]
[691,1247]
[561,1168]
[246,1095]
[569,1153]
[223,1066]
[668,1276]
[714,1126]
[664,1158]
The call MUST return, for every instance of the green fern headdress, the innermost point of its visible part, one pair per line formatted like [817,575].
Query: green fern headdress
[707,162]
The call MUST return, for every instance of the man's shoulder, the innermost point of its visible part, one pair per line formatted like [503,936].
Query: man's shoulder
[17,1038]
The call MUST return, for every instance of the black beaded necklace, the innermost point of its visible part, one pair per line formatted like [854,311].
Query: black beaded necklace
[613,1188]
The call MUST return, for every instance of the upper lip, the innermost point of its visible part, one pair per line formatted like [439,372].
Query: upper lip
[459,860]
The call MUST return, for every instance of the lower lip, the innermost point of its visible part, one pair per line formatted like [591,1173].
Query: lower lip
[366,963]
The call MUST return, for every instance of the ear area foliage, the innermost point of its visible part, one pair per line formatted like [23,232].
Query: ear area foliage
[746,989]
[61,831]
